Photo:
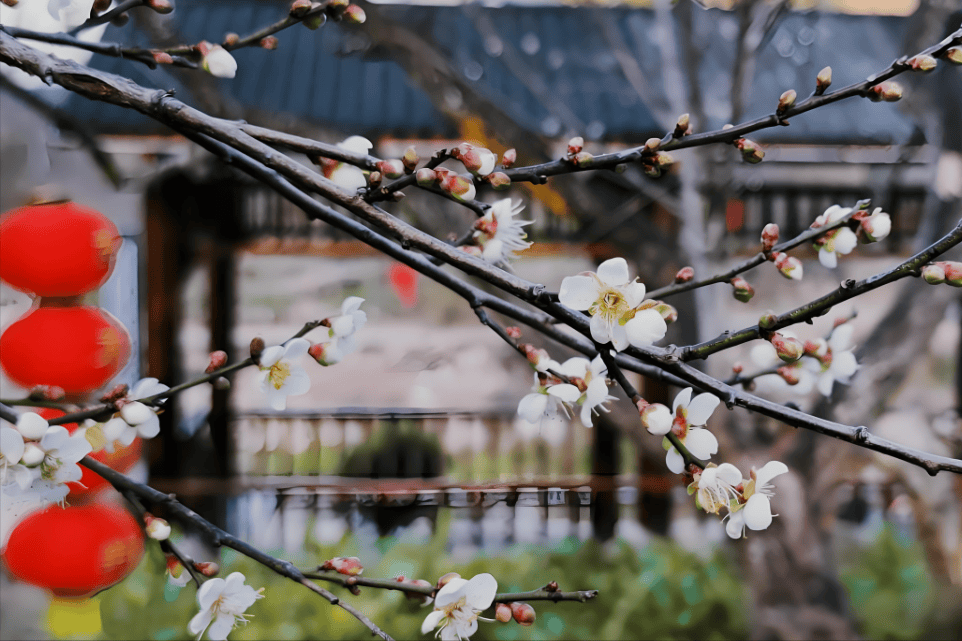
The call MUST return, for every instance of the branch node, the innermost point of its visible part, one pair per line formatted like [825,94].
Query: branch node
[730,401]
[861,434]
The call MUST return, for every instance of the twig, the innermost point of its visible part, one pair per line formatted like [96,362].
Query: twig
[106,17]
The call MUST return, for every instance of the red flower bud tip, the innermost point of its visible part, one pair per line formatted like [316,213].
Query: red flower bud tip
[257,348]
[788,266]
[953,272]
[392,169]
[751,151]
[230,40]
[222,384]
[157,529]
[685,274]
[682,126]
[207,568]
[523,613]
[769,237]
[300,7]
[652,145]
[162,57]
[923,63]
[767,320]
[786,101]
[742,291]
[410,159]
[351,565]
[790,374]
[551,587]
[788,349]
[426,177]
[217,360]
[513,332]
[652,171]
[458,187]
[575,145]
[355,14]
[668,313]
[738,368]
[498,180]
[269,42]
[447,577]
[823,80]
[933,274]
[502,612]
[888,91]
[115,394]
[954,55]
[664,160]
[817,347]
[509,158]
[374,179]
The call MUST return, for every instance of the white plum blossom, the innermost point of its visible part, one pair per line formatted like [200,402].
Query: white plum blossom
[51,463]
[690,415]
[716,487]
[345,175]
[223,603]
[837,363]
[498,234]
[333,351]
[838,241]
[62,451]
[281,375]
[756,512]
[877,225]
[11,451]
[596,387]
[73,13]
[350,320]
[612,302]
[218,62]
[544,401]
[457,606]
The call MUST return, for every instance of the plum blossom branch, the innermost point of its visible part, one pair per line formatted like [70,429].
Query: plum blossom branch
[106,17]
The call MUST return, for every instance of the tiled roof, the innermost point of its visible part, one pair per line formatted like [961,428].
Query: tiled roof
[311,77]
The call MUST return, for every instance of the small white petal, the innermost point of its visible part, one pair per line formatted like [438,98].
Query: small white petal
[452,592]
[735,527]
[532,407]
[200,621]
[209,592]
[480,591]
[658,420]
[845,241]
[634,293]
[55,437]
[32,426]
[645,328]
[150,429]
[431,621]
[827,258]
[682,400]
[613,272]
[136,413]
[728,473]
[758,512]
[675,461]
[578,292]
[844,365]
[566,392]
[619,337]
[701,443]
[11,445]
[701,408]
[357,144]
[296,348]
[271,355]
[825,383]
[600,330]
[575,366]
[769,471]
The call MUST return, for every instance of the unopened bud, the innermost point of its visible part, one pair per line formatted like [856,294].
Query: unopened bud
[575,145]
[791,375]
[652,171]
[888,91]
[681,127]
[338,5]
[953,272]
[652,145]
[416,596]
[769,237]
[664,160]
[741,290]
[446,578]
[786,101]
[231,39]
[162,57]
[314,21]
[502,612]
[410,159]
[120,20]
[392,169]
[221,384]
[54,393]
[498,180]
[99,6]
[768,320]
[552,586]
[207,568]
[656,418]
[355,14]
[751,152]
[269,42]
[817,348]
[10,3]
[788,349]
[374,179]
[583,159]
[738,368]
[513,331]
[156,528]
[300,7]
[351,565]
[823,80]
[668,313]
[877,226]
[523,613]
[788,266]
[509,158]
[923,63]
[32,455]
[933,274]
[257,348]
[954,55]
[458,187]
[684,274]
[217,360]
[426,177]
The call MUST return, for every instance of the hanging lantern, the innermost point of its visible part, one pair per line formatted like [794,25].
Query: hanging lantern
[56,249]
[75,551]
[121,459]
[76,348]
[404,282]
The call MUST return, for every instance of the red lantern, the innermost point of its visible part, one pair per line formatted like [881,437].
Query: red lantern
[76,348]
[75,551]
[404,281]
[57,249]
[121,459]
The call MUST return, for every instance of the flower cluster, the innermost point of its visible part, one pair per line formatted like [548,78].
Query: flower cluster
[686,421]
[340,334]
[871,228]
[746,501]
[37,460]
[498,235]
[619,313]
[342,174]
[135,419]
[557,386]
[822,363]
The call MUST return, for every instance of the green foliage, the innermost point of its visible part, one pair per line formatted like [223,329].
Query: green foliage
[890,587]
[659,592]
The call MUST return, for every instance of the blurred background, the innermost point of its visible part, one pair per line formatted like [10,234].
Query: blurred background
[409,453]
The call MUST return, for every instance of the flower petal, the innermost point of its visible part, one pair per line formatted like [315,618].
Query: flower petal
[613,272]
[221,627]
[843,366]
[645,328]
[11,445]
[150,429]
[297,383]
[701,408]
[619,337]
[600,330]
[55,437]
[480,591]
[271,355]
[575,366]
[675,461]
[452,592]
[825,383]
[682,400]
[200,621]
[845,241]
[351,304]
[532,407]
[827,258]
[566,392]
[701,443]
[735,527]
[769,471]
[32,426]
[209,592]
[578,292]
[758,512]
[729,474]
[841,338]
[431,621]
[634,293]
[74,449]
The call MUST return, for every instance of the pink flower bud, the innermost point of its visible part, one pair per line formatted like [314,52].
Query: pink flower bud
[509,158]
[877,226]
[162,57]
[300,7]
[767,320]
[788,349]
[157,529]
[513,331]
[791,375]
[269,42]
[410,159]
[738,368]
[355,14]
[954,55]
[257,348]
[817,348]
[953,272]
[888,91]
[217,360]
[652,145]
[207,568]
[788,266]
[54,393]
[751,152]
[426,177]
[478,160]
[498,180]
[769,237]
[684,275]
[523,613]
[416,596]
[786,101]
[162,7]
[823,80]
[502,612]
[933,274]
[392,169]
[575,145]
[682,126]
[583,159]
[374,179]
[923,63]
[742,291]
[116,393]
[458,187]
[351,566]
[447,577]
